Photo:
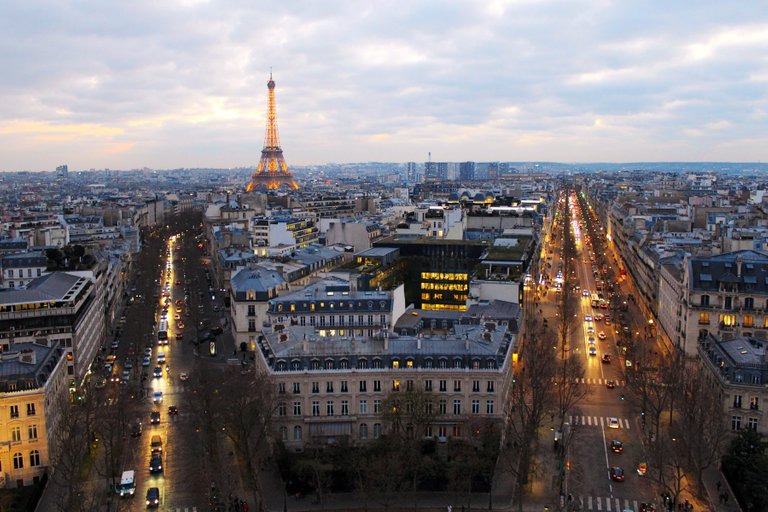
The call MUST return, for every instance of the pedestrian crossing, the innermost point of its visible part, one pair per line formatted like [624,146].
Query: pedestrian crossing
[606,504]
[598,421]
[183,509]
[601,382]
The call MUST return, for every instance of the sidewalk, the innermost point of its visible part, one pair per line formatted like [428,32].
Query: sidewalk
[711,478]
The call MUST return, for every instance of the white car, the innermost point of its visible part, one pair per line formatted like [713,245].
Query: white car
[592,351]
[613,423]
[585,293]
[588,318]
[157,397]
[161,358]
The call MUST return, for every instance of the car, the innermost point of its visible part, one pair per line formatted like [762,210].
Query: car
[599,317]
[606,359]
[154,417]
[610,383]
[607,321]
[628,363]
[617,446]
[156,463]
[153,497]
[146,361]
[588,318]
[128,365]
[590,329]
[126,375]
[148,351]
[136,429]
[602,335]
[177,317]
[157,372]
[157,397]
[179,336]
[216,307]
[592,351]
[115,343]
[585,293]
[180,324]
[183,376]
[173,410]
[617,474]
[613,423]
[100,383]
[161,358]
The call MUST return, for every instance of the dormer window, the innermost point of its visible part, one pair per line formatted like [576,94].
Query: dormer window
[251,295]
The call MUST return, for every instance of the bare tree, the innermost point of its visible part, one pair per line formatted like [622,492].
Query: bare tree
[244,412]
[70,445]
[700,429]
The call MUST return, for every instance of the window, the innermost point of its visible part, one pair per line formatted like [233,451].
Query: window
[344,386]
[297,408]
[457,407]
[329,386]
[363,407]
[749,303]
[329,408]
[456,386]
[475,386]
[315,387]
[16,434]
[442,406]
[18,461]
[363,386]
[753,403]
[395,364]
[281,409]
[376,406]
[737,401]
[14,411]
[363,431]
[345,407]
[32,432]
[752,424]
[396,385]
[443,386]
[296,388]
[749,321]
[704,318]
[376,430]
[456,431]
[489,407]
[705,300]
[735,422]
[376,385]
[315,408]
[297,433]
[427,385]
[490,386]
[409,385]
[251,325]
[475,406]
[284,433]
[728,320]
[281,387]
[251,310]
[10,272]
[428,407]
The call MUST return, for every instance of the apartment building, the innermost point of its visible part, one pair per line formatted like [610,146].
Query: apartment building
[56,308]
[725,295]
[740,368]
[33,385]
[336,354]
[19,269]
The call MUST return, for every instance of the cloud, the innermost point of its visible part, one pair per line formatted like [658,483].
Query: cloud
[183,83]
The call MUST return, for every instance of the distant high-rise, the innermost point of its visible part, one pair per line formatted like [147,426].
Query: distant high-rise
[467,171]
[435,171]
[272,171]
[62,171]
[412,173]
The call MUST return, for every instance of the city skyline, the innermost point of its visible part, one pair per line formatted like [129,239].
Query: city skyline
[182,84]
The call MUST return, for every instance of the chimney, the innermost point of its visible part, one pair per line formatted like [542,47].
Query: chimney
[386,341]
[739,261]
[305,344]
[466,341]
[418,341]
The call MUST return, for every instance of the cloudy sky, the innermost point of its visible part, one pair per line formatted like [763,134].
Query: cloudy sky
[182,83]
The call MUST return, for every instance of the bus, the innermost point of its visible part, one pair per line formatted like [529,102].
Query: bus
[162,332]
[595,300]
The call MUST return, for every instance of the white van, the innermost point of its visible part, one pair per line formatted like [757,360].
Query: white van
[127,484]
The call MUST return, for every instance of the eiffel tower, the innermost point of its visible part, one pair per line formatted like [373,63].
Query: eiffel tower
[272,172]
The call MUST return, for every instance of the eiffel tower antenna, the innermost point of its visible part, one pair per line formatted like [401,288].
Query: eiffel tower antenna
[272,171]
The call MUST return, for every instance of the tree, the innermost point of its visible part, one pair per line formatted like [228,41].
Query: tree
[700,427]
[244,413]
[744,467]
